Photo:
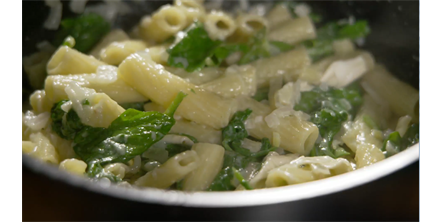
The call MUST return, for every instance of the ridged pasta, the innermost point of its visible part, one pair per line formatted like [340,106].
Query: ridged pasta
[164,23]
[236,81]
[247,25]
[116,52]
[105,81]
[219,25]
[40,102]
[198,77]
[367,155]
[290,65]
[115,35]
[160,86]
[401,97]
[70,61]
[278,15]
[193,10]
[170,172]
[306,169]
[293,31]
[211,161]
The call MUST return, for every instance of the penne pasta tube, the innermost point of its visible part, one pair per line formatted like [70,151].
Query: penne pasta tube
[164,23]
[296,134]
[278,15]
[70,61]
[306,169]
[101,110]
[204,134]
[271,161]
[74,166]
[367,155]
[158,53]
[293,31]
[401,97]
[219,25]
[40,102]
[193,9]
[198,77]
[290,65]
[247,25]
[211,158]
[237,81]
[105,81]
[170,172]
[153,81]
[116,52]
[115,35]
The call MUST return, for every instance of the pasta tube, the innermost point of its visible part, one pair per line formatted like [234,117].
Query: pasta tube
[101,110]
[164,23]
[278,15]
[367,155]
[290,65]
[70,61]
[247,25]
[402,98]
[160,86]
[238,80]
[219,25]
[116,35]
[297,135]
[40,102]
[105,81]
[198,77]
[293,31]
[170,172]
[306,169]
[116,52]
[193,10]
[211,160]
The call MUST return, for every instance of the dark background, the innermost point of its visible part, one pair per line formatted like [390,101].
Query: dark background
[394,41]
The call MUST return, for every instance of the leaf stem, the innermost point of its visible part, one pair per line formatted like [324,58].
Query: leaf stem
[175,103]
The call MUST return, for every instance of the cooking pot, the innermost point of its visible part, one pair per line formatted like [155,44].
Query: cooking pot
[394,41]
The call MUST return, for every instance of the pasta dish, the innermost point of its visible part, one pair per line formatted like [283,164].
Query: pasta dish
[195,98]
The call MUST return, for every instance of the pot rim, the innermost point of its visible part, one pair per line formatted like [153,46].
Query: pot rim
[234,198]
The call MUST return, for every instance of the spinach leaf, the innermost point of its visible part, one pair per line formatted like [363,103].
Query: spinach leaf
[261,94]
[86,29]
[224,51]
[277,47]
[241,179]
[329,109]
[236,156]
[191,52]
[222,181]
[69,128]
[175,149]
[137,106]
[258,47]
[235,130]
[131,134]
[397,143]
[323,45]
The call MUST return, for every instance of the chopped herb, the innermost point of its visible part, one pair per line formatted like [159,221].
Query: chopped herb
[241,179]
[191,52]
[258,47]
[329,109]
[86,29]
[323,45]
[86,102]
[396,143]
